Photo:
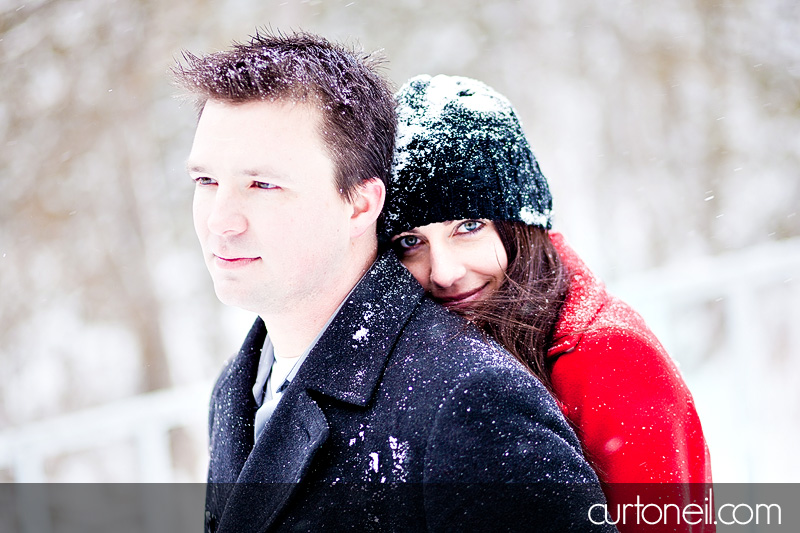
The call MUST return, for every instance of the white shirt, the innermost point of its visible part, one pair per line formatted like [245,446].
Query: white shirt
[273,376]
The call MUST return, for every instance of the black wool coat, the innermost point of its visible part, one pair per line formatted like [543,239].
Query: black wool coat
[402,418]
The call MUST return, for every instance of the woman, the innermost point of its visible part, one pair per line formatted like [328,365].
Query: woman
[469,216]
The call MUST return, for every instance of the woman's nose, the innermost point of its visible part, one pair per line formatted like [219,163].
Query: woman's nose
[446,268]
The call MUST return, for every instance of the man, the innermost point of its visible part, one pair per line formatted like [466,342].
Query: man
[366,406]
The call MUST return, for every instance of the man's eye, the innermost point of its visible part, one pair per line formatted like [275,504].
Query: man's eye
[264,185]
[202,180]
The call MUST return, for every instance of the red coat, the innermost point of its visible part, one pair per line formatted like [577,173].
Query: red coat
[624,395]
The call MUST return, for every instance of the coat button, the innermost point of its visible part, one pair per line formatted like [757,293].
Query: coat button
[211,525]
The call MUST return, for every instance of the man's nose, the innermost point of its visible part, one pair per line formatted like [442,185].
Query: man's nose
[227,215]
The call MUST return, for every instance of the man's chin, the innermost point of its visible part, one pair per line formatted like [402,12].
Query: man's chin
[229,295]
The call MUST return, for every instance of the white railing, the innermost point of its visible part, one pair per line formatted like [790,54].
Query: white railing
[145,421]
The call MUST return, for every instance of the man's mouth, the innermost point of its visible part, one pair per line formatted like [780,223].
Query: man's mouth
[233,262]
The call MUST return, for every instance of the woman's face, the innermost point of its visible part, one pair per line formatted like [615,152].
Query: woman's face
[458,262]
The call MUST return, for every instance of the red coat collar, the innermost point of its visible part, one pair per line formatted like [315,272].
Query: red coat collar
[586,296]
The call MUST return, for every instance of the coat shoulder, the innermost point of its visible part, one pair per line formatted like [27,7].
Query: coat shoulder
[447,341]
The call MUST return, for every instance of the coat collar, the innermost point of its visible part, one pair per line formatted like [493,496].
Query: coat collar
[585,298]
[348,360]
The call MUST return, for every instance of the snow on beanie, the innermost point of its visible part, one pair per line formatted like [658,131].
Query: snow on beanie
[461,153]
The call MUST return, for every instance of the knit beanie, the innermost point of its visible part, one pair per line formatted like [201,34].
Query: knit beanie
[461,153]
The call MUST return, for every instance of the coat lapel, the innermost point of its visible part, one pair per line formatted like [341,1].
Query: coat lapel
[347,364]
[278,462]
[233,410]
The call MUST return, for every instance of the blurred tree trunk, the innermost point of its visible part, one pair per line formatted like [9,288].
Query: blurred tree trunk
[81,168]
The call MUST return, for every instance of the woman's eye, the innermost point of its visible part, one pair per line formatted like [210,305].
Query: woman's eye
[264,185]
[407,242]
[470,226]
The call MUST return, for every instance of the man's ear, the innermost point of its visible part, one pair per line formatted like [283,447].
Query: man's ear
[368,198]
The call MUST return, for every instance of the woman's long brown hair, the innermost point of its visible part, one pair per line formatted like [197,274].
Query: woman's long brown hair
[522,314]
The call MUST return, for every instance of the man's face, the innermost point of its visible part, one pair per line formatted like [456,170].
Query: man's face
[273,228]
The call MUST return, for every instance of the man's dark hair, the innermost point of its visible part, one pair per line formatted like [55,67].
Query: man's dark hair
[355,102]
